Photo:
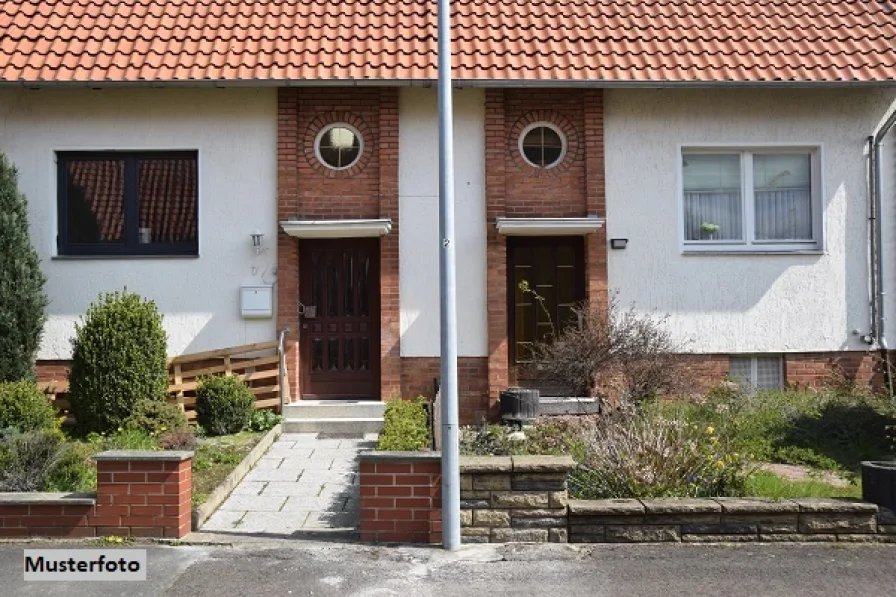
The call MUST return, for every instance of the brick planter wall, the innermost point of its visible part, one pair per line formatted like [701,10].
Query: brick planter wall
[140,494]
[401,497]
[727,520]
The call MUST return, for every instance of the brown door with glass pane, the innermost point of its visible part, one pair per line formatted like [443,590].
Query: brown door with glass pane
[552,269]
[340,341]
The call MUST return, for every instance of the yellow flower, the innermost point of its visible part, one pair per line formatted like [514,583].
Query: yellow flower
[163,428]
[720,464]
[710,429]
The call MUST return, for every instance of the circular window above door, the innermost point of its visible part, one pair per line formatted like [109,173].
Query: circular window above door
[542,145]
[338,146]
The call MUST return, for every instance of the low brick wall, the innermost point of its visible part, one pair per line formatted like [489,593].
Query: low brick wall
[728,520]
[139,494]
[401,497]
[516,498]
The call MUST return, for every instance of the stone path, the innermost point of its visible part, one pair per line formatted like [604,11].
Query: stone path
[306,483]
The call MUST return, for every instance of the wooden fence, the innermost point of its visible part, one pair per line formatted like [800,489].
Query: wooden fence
[256,364]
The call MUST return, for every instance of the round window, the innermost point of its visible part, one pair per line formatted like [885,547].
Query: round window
[338,146]
[542,145]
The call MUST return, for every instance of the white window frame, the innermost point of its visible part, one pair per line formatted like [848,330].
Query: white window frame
[327,128]
[751,384]
[564,144]
[748,244]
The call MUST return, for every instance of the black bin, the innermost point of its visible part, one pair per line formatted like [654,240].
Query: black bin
[879,483]
[519,405]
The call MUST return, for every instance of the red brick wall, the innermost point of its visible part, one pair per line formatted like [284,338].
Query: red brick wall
[418,373]
[139,498]
[401,501]
[308,190]
[52,370]
[574,188]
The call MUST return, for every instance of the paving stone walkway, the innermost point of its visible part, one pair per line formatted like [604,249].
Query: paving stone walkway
[306,483]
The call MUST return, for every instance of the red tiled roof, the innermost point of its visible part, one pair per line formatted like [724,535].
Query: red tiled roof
[494,40]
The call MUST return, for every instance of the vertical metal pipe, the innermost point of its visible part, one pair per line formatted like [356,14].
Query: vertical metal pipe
[447,290]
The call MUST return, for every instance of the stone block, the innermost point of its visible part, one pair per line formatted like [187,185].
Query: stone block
[558,499]
[886,529]
[606,520]
[539,477]
[796,538]
[623,507]
[491,518]
[852,538]
[542,464]
[837,523]
[485,464]
[515,499]
[719,529]
[475,495]
[541,512]
[538,523]
[766,523]
[642,534]
[587,529]
[466,482]
[720,538]
[475,504]
[466,518]
[693,519]
[835,506]
[538,485]
[475,532]
[754,506]
[587,539]
[521,535]
[558,536]
[469,539]
[681,506]
[490,482]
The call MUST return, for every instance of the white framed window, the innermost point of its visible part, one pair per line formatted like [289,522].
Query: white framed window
[338,146]
[757,372]
[542,145]
[757,199]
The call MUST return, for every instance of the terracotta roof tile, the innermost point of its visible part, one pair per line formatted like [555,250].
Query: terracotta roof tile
[579,40]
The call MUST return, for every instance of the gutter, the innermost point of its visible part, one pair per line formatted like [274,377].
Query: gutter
[875,186]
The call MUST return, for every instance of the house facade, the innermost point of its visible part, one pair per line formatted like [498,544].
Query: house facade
[727,187]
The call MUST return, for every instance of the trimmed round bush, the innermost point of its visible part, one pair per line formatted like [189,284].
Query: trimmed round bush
[119,357]
[24,407]
[154,417]
[224,405]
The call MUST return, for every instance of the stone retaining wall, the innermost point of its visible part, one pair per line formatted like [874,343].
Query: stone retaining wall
[728,520]
[516,498]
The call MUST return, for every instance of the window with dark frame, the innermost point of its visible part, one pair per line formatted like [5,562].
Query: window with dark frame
[128,203]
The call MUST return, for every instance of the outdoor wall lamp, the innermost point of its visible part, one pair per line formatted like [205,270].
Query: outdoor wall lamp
[618,243]
[257,241]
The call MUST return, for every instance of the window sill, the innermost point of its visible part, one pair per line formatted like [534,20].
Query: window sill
[118,257]
[753,252]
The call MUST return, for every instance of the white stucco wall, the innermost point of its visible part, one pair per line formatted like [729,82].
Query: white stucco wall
[741,303]
[888,188]
[234,132]
[418,187]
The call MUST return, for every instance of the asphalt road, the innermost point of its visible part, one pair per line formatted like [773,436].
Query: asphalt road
[293,569]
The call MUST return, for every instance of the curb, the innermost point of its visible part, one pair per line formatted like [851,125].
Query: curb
[201,513]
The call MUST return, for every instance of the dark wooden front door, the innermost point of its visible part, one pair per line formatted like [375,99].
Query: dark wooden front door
[340,343]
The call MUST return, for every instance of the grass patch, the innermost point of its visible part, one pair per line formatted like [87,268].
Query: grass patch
[770,485]
[216,457]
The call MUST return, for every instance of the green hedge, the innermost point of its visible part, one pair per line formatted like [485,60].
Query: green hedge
[406,427]
[224,405]
[24,407]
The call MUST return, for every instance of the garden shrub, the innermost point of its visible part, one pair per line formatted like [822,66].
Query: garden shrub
[610,347]
[264,420]
[639,454]
[74,471]
[28,459]
[182,439]
[22,298]
[154,417]
[405,426]
[24,407]
[119,358]
[224,405]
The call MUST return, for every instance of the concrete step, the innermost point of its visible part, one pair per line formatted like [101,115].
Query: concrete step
[568,406]
[354,425]
[334,409]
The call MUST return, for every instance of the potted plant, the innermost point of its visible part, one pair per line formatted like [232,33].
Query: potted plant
[710,229]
